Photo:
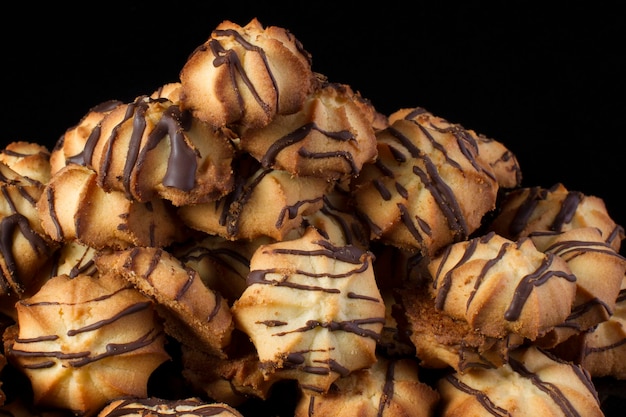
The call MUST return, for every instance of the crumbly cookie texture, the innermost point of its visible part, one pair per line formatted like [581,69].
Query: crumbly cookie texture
[501,287]
[254,237]
[312,310]
[86,340]
[533,382]
[246,75]
[429,186]
[194,314]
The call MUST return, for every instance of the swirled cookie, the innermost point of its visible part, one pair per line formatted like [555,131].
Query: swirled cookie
[487,296]
[532,383]
[73,207]
[499,286]
[501,160]
[29,159]
[528,210]
[264,203]
[390,387]
[246,75]
[429,186]
[601,350]
[599,272]
[25,248]
[188,407]
[150,148]
[331,137]
[84,341]
[223,264]
[194,314]
[70,147]
[312,310]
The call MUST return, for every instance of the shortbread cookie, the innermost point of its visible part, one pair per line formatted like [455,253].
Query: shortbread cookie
[442,341]
[312,310]
[602,349]
[529,210]
[84,341]
[235,380]
[599,272]
[73,207]
[150,148]
[70,147]
[29,159]
[26,248]
[429,186]
[388,388]
[502,161]
[223,264]
[188,407]
[533,383]
[246,75]
[194,314]
[331,137]
[264,203]
[499,286]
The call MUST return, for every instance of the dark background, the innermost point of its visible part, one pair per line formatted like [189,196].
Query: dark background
[547,82]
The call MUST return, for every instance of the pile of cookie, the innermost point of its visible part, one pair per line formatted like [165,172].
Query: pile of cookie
[256,231]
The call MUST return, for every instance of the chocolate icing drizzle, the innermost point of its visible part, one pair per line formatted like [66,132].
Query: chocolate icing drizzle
[49,358]
[230,58]
[403,150]
[360,259]
[303,132]
[526,283]
[551,389]
[159,407]
[174,123]
[9,225]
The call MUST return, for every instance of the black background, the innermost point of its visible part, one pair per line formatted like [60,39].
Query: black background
[547,82]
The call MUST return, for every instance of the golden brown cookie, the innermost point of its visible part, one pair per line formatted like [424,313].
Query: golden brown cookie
[264,203]
[528,210]
[499,286]
[84,341]
[331,137]
[25,248]
[602,349]
[533,383]
[223,264]
[599,272]
[150,148]
[70,147]
[388,388]
[29,159]
[429,186]
[151,407]
[246,75]
[74,207]
[194,314]
[312,310]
